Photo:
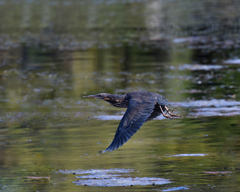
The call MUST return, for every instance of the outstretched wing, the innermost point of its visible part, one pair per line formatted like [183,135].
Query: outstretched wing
[137,113]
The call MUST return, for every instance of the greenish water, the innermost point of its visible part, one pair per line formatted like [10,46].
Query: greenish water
[49,131]
[30,155]
[54,52]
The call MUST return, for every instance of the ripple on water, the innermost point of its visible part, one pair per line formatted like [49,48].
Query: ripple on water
[112,177]
[175,189]
[108,117]
[196,67]
[232,61]
[213,107]
[188,155]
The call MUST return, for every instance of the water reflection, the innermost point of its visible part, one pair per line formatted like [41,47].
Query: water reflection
[54,52]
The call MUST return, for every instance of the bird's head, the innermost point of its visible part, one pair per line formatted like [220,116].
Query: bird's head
[103,96]
[113,99]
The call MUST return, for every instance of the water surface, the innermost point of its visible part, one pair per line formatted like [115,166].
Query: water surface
[59,51]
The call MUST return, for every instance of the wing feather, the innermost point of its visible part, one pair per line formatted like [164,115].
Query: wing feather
[137,113]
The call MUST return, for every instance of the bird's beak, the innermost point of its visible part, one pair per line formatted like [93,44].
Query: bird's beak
[91,96]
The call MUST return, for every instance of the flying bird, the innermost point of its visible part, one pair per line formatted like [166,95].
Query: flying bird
[141,106]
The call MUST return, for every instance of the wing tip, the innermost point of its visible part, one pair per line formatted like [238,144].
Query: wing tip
[116,143]
[106,150]
[111,147]
[102,151]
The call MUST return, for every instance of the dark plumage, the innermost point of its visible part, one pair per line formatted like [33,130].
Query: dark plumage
[141,106]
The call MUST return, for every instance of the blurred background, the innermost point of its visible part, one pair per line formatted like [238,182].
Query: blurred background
[52,52]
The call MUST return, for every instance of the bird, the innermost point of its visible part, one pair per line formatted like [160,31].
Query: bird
[142,106]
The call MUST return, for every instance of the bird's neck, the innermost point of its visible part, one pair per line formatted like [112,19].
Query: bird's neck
[119,101]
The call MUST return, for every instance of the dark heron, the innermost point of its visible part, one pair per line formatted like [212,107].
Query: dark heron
[141,106]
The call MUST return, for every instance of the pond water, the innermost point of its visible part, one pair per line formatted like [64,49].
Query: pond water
[50,136]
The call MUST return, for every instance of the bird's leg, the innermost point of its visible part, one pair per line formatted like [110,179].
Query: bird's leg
[171,113]
[165,114]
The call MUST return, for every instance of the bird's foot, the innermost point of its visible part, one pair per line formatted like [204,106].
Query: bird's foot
[171,115]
